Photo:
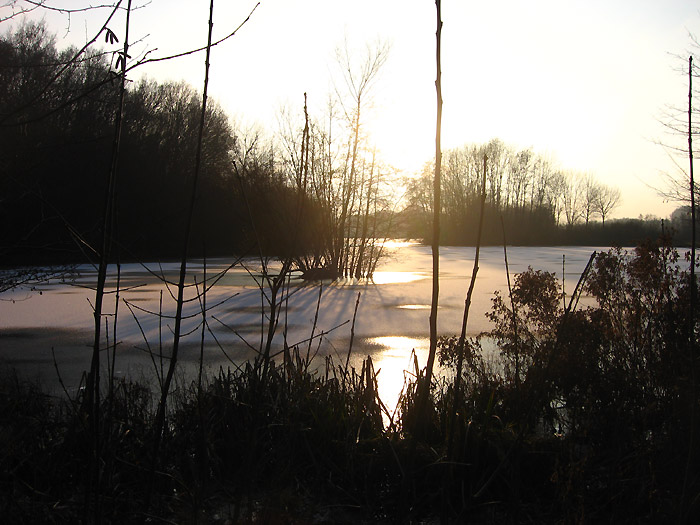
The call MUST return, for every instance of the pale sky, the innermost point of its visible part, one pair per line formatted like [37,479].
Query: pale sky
[585,82]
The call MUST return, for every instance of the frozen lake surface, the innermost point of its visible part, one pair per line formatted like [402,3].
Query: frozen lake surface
[55,319]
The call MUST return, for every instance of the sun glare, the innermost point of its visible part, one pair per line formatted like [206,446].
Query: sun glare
[394,363]
[414,307]
[396,243]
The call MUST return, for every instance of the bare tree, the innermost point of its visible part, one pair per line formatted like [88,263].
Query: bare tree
[590,192]
[572,199]
[344,178]
[681,122]
[500,156]
[543,174]
[555,194]
[358,82]
[606,200]
[519,178]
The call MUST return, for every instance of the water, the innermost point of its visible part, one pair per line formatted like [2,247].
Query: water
[55,319]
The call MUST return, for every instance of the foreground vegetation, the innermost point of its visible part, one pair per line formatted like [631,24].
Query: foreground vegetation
[582,414]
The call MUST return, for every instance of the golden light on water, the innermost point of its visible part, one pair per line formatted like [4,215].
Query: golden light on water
[396,277]
[398,346]
[394,364]
[414,307]
[395,243]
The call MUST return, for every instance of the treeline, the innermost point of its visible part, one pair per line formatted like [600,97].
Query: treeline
[526,194]
[304,196]
[57,129]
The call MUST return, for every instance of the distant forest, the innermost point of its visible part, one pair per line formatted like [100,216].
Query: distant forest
[298,194]
[528,200]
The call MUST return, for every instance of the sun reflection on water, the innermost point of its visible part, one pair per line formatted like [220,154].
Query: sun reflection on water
[414,306]
[396,243]
[394,364]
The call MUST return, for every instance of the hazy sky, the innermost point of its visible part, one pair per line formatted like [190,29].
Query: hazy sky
[585,82]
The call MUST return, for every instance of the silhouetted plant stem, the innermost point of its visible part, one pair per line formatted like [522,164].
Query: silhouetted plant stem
[421,420]
[463,334]
[352,332]
[360,264]
[161,376]
[188,228]
[576,294]
[112,367]
[686,506]
[70,398]
[425,390]
[107,225]
[93,381]
[201,458]
[512,307]
[563,280]
[160,414]
[693,291]
[203,306]
[315,323]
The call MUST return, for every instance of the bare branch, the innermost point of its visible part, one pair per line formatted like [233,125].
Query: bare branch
[199,49]
[66,10]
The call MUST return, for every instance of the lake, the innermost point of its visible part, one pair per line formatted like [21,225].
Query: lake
[55,319]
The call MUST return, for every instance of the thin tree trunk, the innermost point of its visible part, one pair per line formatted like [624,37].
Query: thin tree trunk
[436,218]
[360,272]
[351,191]
[93,381]
[686,506]
[514,313]
[420,422]
[188,229]
[160,414]
[465,318]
